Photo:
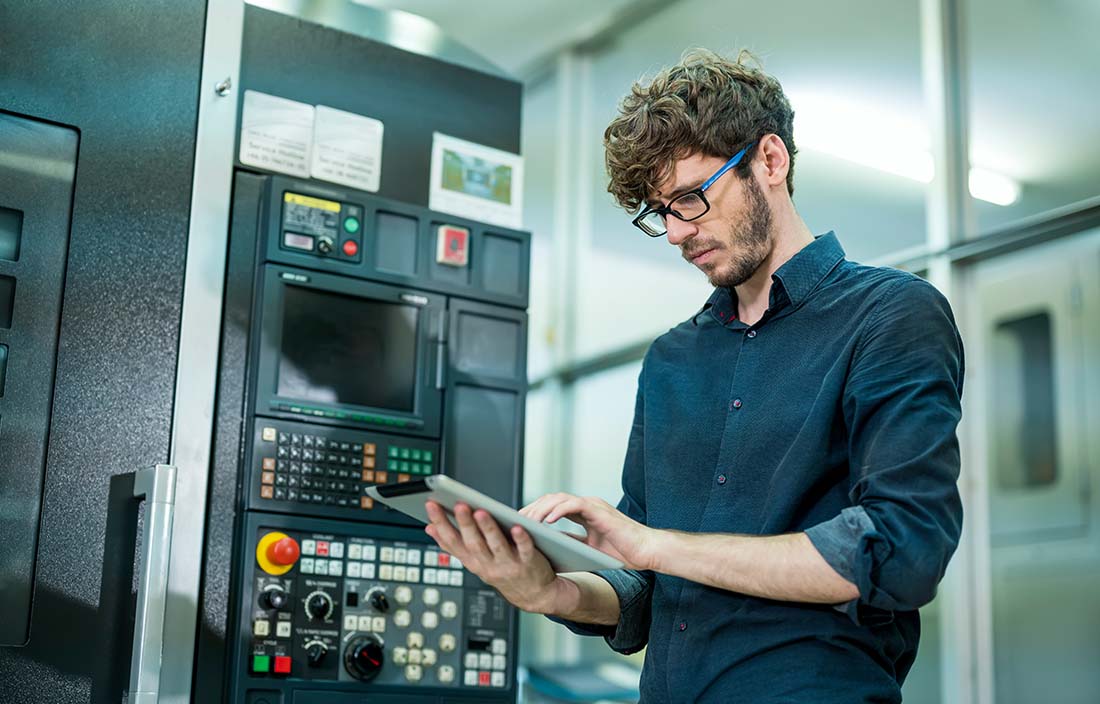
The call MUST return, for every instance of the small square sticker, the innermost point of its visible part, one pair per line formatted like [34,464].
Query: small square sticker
[452,245]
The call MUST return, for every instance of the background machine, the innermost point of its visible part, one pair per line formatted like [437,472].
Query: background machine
[315,340]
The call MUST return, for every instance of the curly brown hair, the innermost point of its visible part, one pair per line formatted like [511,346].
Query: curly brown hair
[706,104]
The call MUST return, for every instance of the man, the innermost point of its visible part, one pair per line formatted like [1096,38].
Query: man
[789,487]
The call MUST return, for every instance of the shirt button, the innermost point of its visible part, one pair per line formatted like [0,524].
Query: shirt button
[721,479]
[736,403]
[683,626]
[752,333]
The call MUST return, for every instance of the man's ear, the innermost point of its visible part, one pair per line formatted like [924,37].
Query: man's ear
[773,162]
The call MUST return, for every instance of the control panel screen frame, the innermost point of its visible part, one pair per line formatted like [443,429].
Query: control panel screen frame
[429,350]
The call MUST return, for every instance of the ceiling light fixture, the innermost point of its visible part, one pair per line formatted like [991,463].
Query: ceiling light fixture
[883,142]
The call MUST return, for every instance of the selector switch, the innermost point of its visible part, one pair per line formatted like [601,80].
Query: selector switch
[325,245]
[364,657]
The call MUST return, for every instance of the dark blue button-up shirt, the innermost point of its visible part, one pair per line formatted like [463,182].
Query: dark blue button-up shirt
[835,415]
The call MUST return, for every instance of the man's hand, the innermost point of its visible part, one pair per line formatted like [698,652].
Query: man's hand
[609,531]
[514,567]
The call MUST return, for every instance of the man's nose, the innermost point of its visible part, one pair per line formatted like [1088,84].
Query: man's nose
[678,230]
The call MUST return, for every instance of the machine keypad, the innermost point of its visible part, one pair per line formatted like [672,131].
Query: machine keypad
[324,470]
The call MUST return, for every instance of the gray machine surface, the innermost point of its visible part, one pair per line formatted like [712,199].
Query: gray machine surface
[124,77]
[114,88]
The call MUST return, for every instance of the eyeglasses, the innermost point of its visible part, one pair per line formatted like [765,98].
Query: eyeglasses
[686,206]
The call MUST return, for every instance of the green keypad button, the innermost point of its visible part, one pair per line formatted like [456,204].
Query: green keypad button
[404,466]
[427,455]
[404,453]
[414,454]
[351,225]
[392,465]
[261,663]
[392,451]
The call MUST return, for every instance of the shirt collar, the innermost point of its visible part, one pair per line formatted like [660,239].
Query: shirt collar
[797,278]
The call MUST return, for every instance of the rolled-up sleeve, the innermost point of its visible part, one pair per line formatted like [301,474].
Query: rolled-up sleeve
[634,588]
[902,405]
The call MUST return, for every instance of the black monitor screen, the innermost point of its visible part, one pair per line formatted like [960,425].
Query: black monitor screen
[347,350]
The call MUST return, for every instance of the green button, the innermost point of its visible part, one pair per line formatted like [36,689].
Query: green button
[261,663]
[351,225]
[393,451]
[404,453]
[427,455]
[392,465]
[415,454]
[404,466]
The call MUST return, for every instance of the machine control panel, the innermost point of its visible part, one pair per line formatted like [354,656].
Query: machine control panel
[302,468]
[371,611]
[321,227]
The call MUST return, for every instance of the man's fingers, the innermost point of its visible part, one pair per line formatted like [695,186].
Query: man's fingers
[524,545]
[471,534]
[496,541]
[571,506]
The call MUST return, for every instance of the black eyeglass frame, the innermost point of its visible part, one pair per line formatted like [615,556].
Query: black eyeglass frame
[666,210]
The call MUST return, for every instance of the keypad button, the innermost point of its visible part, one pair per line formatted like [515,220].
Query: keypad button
[307,441]
[268,434]
[414,454]
[284,438]
[369,448]
[280,494]
[404,453]
[292,495]
[393,451]
[319,442]
[267,492]
[496,679]
[369,552]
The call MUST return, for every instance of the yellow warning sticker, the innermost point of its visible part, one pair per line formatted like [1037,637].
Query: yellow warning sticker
[311,202]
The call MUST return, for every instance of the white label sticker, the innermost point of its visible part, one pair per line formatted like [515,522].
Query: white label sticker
[347,149]
[276,134]
[476,182]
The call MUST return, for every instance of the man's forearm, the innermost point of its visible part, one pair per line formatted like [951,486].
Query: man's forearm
[780,567]
[584,598]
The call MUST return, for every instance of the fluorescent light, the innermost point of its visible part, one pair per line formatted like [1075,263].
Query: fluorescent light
[884,142]
[993,187]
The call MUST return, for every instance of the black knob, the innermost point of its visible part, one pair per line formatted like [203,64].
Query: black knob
[319,606]
[274,597]
[364,657]
[379,601]
[325,245]
[316,652]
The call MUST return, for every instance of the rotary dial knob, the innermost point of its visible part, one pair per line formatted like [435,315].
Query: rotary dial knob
[319,606]
[378,600]
[364,657]
[316,652]
[274,597]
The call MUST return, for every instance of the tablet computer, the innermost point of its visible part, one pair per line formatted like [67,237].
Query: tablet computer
[565,554]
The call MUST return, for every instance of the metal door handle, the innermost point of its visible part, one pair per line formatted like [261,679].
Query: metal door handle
[157,485]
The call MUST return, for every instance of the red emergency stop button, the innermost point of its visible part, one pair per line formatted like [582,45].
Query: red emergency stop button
[283,552]
[282,665]
[351,248]
[277,553]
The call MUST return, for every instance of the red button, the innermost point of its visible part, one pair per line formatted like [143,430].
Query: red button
[444,560]
[283,552]
[282,665]
[483,678]
[322,548]
[351,248]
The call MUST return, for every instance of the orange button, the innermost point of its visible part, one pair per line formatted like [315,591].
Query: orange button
[401,478]
[266,492]
[380,477]
[366,502]
[269,463]
[368,448]
[368,462]
[267,478]
[368,475]
[283,552]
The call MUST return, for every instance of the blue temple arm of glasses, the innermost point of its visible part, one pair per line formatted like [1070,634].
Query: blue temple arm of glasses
[734,161]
